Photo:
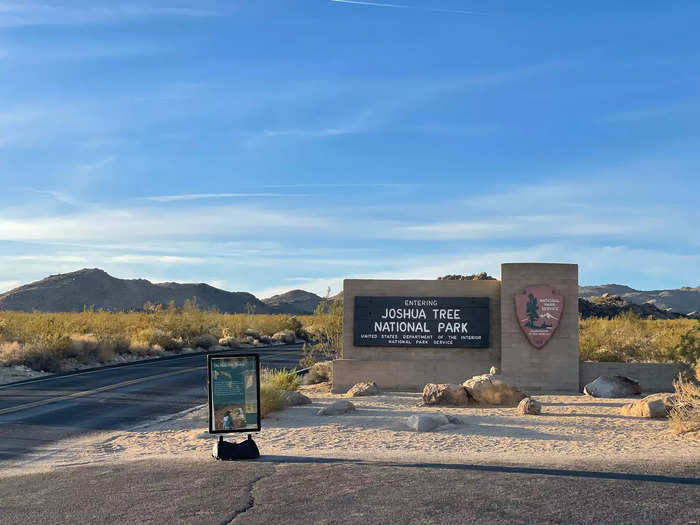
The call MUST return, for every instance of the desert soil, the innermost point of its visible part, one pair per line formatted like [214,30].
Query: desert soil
[574,431]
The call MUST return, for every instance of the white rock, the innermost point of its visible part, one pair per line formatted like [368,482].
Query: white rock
[426,422]
[337,408]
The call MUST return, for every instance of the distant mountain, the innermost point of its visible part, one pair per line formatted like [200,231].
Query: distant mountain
[683,300]
[72,292]
[297,302]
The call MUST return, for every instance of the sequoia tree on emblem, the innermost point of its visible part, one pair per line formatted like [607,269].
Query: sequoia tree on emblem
[539,310]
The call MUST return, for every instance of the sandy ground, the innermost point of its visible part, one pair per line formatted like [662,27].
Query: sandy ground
[573,431]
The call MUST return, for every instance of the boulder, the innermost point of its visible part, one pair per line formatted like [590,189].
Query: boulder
[487,389]
[254,334]
[426,422]
[613,386]
[653,406]
[530,406]
[230,342]
[337,408]
[287,337]
[363,389]
[445,394]
[292,398]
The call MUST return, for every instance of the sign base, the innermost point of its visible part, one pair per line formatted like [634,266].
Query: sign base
[225,451]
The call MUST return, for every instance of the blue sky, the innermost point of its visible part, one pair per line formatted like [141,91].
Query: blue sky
[271,145]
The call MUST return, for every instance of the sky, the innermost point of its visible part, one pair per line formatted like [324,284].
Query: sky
[269,145]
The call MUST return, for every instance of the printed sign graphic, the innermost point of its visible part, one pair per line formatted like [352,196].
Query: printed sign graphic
[539,310]
[234,393]
[429,322]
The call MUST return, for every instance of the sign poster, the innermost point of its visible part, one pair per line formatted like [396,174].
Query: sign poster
[234,393]
[430,322]
[539,311]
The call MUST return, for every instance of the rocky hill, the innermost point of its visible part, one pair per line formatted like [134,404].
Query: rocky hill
[297,302]
[610,306]
[72,292]
[684,300]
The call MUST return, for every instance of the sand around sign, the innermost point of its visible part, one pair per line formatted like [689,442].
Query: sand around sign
[572,431]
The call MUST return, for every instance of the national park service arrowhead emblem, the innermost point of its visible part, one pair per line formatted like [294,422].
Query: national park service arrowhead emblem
[539,311]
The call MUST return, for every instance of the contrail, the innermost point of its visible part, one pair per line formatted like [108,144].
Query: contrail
[403,6]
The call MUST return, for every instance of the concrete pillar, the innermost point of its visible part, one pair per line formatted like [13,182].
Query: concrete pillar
[555,366]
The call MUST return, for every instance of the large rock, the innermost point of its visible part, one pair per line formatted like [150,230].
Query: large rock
[653,406]
[363,389]
[530,406]
[292,398]
[287,337]
[426,422]
[337,408]
[229,341]
[445,394]
[613,386]
[487,389]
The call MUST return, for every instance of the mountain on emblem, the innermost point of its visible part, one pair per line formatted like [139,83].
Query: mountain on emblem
[539,309]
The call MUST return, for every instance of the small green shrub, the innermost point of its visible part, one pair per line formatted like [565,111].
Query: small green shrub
[270,399]
[282,379]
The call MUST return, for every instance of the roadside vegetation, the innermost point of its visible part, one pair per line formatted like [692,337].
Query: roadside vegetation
[272,382]
[628,338]
[685,414]
[46,341]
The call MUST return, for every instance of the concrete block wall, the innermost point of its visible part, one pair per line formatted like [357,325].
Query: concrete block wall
[555,367]
[410,368]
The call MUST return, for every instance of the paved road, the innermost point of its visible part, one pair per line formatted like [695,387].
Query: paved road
[37,413]
[284,492]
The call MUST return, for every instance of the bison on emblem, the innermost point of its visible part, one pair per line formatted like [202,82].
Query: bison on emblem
[539,310]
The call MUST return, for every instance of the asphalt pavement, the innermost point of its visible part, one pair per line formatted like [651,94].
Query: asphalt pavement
[35,414]
[284,492]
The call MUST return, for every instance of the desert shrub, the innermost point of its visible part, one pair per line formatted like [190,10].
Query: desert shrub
[685,414]
[319,373]
[270,399]
[204,341]
[149,337]
[82,347]
[281,379]
[14,353]
[629,338]
[325,327]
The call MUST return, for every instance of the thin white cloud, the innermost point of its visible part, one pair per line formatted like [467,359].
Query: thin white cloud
[168,260]
[6,286]
[97,164]
[328,132]
[405,6]
[33,13]
[200,196]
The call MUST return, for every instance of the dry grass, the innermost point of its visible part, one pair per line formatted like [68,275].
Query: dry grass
[685,414]
[42,340]
[628,338]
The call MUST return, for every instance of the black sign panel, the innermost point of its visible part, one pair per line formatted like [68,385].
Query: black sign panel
[431,322]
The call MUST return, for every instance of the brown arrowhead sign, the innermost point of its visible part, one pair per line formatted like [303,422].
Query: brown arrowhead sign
[539,310]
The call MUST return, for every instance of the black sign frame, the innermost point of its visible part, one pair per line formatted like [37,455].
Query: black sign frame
[363,302]
[210,359]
